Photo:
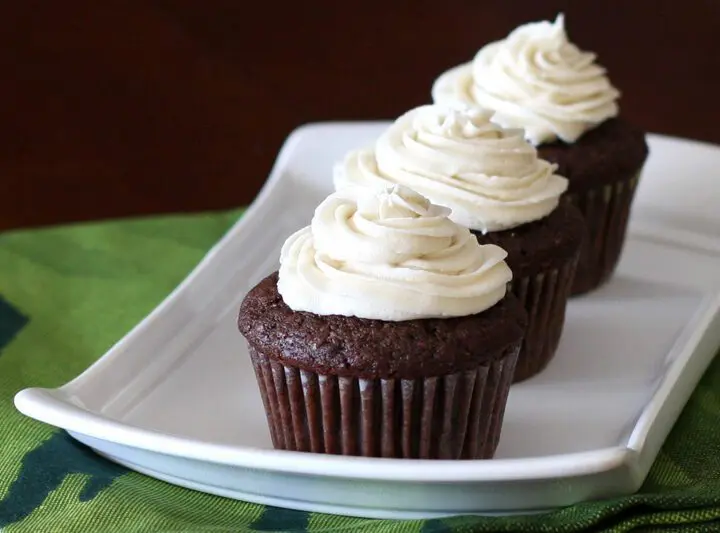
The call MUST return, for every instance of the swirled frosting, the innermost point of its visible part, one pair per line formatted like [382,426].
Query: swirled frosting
[537,80]
[491,178]
[389,255]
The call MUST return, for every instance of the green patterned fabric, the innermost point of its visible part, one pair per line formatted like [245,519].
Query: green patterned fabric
[67,293]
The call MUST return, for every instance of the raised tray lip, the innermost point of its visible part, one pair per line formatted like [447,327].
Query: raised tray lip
[57,406]
[51,406]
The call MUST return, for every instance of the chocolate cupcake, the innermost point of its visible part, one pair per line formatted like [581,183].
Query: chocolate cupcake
[386,332]
[537,80]
[495,184]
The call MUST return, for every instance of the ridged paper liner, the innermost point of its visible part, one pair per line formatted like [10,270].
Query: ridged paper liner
[447,417]
[544,297]
[606,211]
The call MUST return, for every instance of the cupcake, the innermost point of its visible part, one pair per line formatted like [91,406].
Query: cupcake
[495,185]
[537,80]
[386,332]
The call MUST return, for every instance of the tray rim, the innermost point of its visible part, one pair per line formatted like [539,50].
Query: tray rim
[60,406]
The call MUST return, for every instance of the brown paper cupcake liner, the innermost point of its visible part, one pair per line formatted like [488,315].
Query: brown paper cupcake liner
[446,417]
[544,297]
[606,211]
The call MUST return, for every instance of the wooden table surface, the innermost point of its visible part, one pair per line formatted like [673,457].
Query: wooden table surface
[119,108]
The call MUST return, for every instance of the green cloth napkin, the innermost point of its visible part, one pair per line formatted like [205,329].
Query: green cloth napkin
[68,293]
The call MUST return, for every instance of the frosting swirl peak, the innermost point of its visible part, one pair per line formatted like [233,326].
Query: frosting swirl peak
[389,255]
[535,79]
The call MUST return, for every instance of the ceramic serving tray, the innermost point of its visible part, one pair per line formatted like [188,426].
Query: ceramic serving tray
[176,398]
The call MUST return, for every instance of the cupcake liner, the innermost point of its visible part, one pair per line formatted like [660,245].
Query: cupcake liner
[453,416]
[544,297]
[606,211]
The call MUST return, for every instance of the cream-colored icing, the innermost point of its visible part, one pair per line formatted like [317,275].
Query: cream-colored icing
[537,80]
[491,178]
[389,255]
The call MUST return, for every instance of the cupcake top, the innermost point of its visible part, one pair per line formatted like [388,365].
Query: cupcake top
[491,178]
[389,255]
[535,79]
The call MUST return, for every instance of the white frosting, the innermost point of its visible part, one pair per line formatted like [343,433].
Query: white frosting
[537,80]
[489,177]
[389,255]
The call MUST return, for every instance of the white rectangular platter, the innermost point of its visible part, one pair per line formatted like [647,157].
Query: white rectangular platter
[176,398]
